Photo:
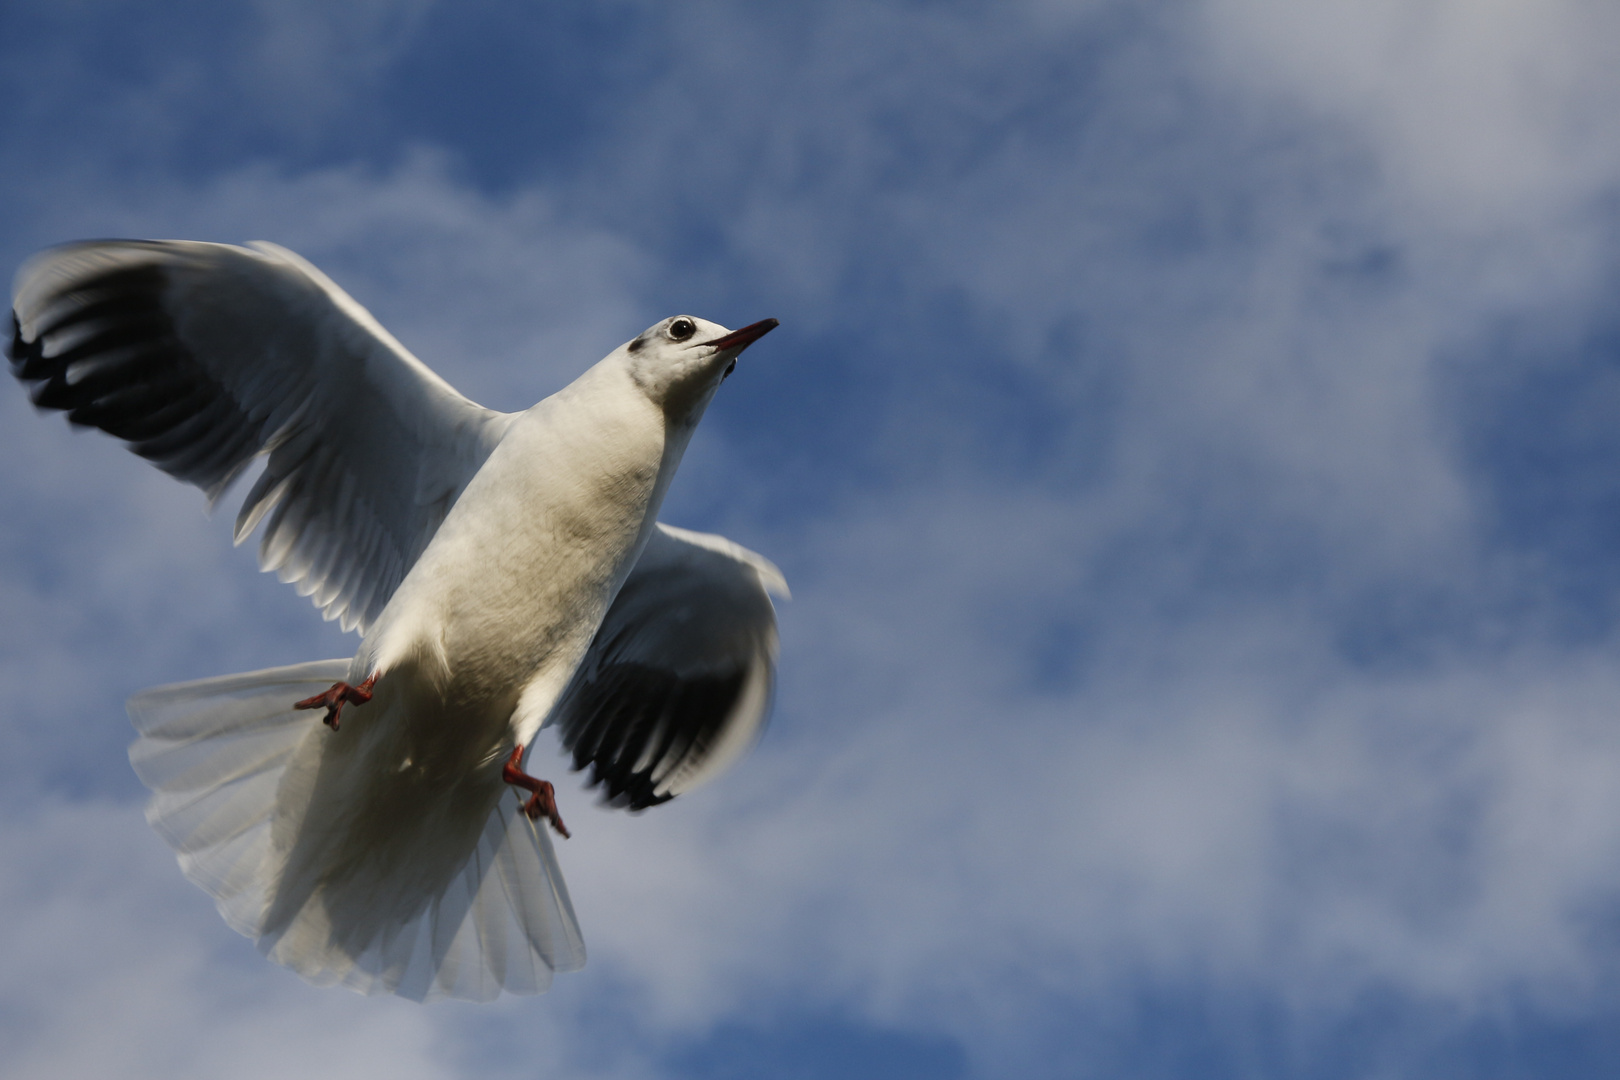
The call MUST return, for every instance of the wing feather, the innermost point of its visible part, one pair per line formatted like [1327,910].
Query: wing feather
[677,682]
[202,357]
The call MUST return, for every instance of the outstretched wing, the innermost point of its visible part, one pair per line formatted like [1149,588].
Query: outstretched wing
[677,683]
[203,356]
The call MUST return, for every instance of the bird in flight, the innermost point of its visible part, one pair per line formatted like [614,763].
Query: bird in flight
[369,821]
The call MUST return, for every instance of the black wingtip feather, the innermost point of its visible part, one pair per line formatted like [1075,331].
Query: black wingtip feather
[126,371]
[612,720]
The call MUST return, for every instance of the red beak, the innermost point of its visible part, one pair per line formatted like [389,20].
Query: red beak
[741,339]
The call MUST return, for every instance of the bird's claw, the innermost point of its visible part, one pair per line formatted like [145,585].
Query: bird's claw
[334,699]
[544,797]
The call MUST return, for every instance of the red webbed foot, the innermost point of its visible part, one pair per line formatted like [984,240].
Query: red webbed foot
[334,699]
[544,799]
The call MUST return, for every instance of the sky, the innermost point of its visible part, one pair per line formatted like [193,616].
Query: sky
[1192,440]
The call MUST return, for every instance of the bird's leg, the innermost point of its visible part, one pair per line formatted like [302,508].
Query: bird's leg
[334,699]
[544,799]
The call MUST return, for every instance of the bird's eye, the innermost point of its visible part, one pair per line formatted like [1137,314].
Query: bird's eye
[681,329]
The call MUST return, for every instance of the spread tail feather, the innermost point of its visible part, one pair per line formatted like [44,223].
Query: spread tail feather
[216,753]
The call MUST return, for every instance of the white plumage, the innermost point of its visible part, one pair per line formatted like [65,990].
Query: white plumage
[505,570]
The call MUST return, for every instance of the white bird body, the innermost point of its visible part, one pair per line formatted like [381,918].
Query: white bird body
[512,587]
[378,853]
[472,651]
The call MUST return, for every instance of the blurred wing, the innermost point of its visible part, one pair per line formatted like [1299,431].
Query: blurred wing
[677,683]
[204,356]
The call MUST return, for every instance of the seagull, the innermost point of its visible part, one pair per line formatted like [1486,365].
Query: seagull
[369,821]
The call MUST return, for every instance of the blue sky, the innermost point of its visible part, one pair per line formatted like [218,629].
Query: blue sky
[1191,439]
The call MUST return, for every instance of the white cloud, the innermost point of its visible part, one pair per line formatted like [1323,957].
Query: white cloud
[306,61]
[1479,110]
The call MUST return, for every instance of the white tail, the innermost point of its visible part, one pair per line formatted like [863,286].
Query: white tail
[233,770]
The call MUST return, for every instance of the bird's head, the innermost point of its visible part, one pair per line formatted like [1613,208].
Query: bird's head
[679,362]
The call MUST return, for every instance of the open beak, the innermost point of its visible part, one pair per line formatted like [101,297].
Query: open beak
[741,339]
